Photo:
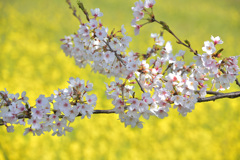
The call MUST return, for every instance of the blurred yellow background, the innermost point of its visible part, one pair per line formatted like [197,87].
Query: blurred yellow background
[31,60]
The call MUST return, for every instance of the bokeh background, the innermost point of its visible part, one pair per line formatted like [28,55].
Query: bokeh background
[31,60]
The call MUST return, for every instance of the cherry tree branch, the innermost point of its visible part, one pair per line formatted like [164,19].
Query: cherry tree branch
[186,44]
[217,95]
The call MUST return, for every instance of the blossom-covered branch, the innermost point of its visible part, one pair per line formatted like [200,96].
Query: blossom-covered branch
[145,85]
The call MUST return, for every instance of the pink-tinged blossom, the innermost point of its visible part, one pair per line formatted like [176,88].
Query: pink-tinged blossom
[123,30]
[203,92]
[39,132]
[132,66]
[138,15]
[149,3]
[22,122]
[37,113]
[64,105]
[171,58]
[41,101]
[159,41]
[192,84]
[125,40]
[178,100]
[101,34]
[35,123]
[91,99]
[108,56]
[198,59]
[209,47]
[216,40]
[69,129]
[119,109]
[84,31]
[67,40]
[88,87]
[24,98]
[160,112]
[175,78]
[93,23]
[27,130]
[210,64]
[59,125]
[168,47]
[76,83]
[13,108]
[143,107]
[146,97]
[180,53]
[96,12]
[129,120]
[10,128]
[72,113]
[182,110]
[137,29]
[178,64]
[134,103]
[163,94]
[86,110]
[132,113]
[118,102]
[21,108]
[14,97]
[67,49]
[191,101]
[138,6]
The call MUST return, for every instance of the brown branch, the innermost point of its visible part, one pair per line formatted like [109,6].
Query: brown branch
[215,93]
[205,99]
[220,96]
[61,116]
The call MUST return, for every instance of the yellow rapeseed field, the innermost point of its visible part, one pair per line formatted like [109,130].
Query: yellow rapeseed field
[31,60]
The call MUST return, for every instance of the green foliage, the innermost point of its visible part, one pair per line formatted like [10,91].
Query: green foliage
[31,60]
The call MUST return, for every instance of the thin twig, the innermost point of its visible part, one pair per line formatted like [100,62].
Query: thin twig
[166,27]
[237,82]
[170,65]
[74,11]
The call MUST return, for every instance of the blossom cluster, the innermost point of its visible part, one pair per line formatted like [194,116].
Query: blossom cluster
[54,113]
[94,45]
[163,77]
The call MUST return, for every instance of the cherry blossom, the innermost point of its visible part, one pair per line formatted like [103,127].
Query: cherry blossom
[163,77]
[96,12]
